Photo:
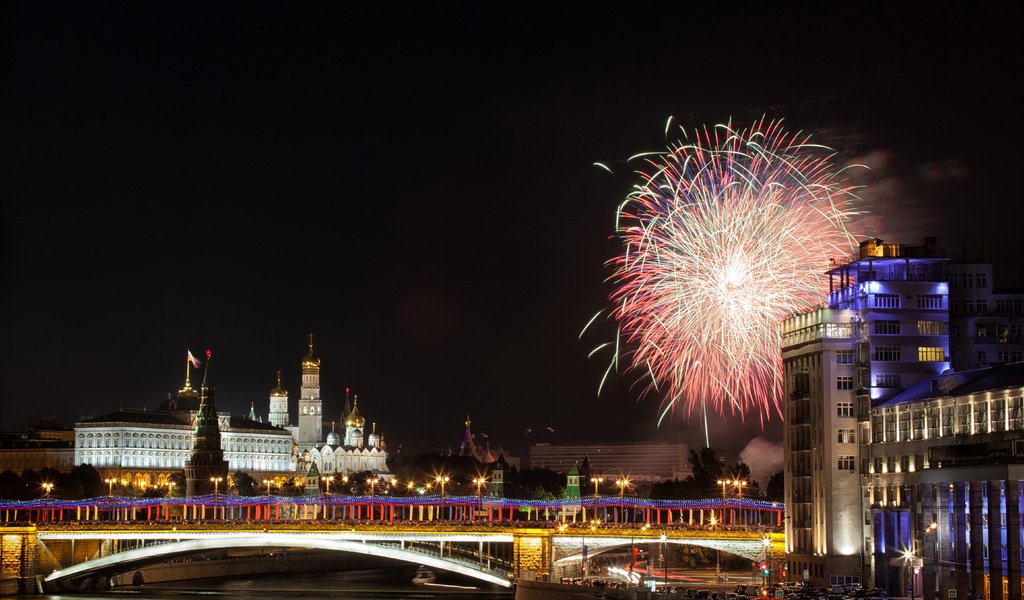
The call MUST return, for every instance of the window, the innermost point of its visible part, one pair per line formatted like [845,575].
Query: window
[838,330]
[982,357]
[982,306]
[947,421]
[929,327]
[968,307]
[931,354]
[1003,357]
[844,357]
[887,353]
[954,280]
[887,327]
[845,436]
[1008,305]
[845,463]
[1016,413]
[967,279]
[887,300]
[929,301]
[981,280]
[1017,356]
[887,380]
[981,331]
[844,409]
[844,382]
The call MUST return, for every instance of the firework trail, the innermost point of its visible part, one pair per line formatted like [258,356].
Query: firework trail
[725,236]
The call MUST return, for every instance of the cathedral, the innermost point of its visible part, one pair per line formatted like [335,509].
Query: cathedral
[356,451]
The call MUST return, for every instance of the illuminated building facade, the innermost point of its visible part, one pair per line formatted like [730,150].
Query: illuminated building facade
[861,488]
[46,445]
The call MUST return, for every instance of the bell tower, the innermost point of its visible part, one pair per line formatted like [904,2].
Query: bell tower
[279,404]
[310,405]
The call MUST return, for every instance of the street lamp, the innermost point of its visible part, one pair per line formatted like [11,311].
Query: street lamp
[47,488]
[623,484]
[596,481]
[110,481]
[479,481]
[216,485]
[934,528]
[268,482]
[441,480]
[328,480]
[170,488]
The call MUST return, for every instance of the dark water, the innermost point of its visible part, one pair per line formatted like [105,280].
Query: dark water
[391,583]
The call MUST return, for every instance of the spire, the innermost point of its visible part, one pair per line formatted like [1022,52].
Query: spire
[190,362]
[206,372]
[278,389]
[252,411]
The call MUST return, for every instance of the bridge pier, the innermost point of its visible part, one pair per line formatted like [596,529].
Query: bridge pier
[18,560]
[531,554]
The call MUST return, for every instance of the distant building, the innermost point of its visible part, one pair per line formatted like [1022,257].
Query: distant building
[482,452]
[640,461]
[46,445]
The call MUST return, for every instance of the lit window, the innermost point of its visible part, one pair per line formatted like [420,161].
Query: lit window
[931,354]
[929,327]
[845,463]
[929,301]
[844,357]
[844,409]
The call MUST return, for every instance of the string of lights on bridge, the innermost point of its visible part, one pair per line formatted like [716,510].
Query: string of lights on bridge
[344,500]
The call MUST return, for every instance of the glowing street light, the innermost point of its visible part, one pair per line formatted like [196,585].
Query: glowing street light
[110,481]
[596,481]
[441,480]
[328,480]
[170,487]
[216,485]
[372,482]
[268,483]
[47,488]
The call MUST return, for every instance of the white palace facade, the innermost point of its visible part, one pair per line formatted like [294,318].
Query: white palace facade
[146,446]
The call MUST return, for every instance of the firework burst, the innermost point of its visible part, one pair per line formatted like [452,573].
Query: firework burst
[724,237]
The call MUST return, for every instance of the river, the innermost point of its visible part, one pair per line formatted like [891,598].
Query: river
[389,583]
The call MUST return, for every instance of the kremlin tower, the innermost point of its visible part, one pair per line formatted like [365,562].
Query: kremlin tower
[207,459]
[279,405]
[311,415]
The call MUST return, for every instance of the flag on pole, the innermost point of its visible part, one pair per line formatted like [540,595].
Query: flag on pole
[195,361]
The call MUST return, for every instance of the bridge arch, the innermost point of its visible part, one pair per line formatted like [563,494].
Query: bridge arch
[130,559]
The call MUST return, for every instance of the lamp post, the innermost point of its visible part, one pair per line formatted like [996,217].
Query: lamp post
[170,488]
[110,481]
[623,484]
[596,481]
[328,480]
[479,481]
[47,488]
[268,482]
[216,486]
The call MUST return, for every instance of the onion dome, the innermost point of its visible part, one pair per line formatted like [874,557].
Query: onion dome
[310,360]
[354,419]
[279,391]
[333,439]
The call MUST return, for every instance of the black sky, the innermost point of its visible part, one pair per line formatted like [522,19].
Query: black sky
[416,187]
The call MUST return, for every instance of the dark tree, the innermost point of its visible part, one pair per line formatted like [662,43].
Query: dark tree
[243,483]
[776,488]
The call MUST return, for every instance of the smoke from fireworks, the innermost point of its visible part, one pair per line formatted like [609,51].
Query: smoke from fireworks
[724,237]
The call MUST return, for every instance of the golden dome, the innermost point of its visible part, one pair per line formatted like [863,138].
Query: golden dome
[354,419]
[310,360]
[278,391]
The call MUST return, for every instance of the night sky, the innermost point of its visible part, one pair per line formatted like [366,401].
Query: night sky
[416,187]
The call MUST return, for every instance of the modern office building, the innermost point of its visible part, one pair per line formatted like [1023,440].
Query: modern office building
[640,462]
[886,331]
